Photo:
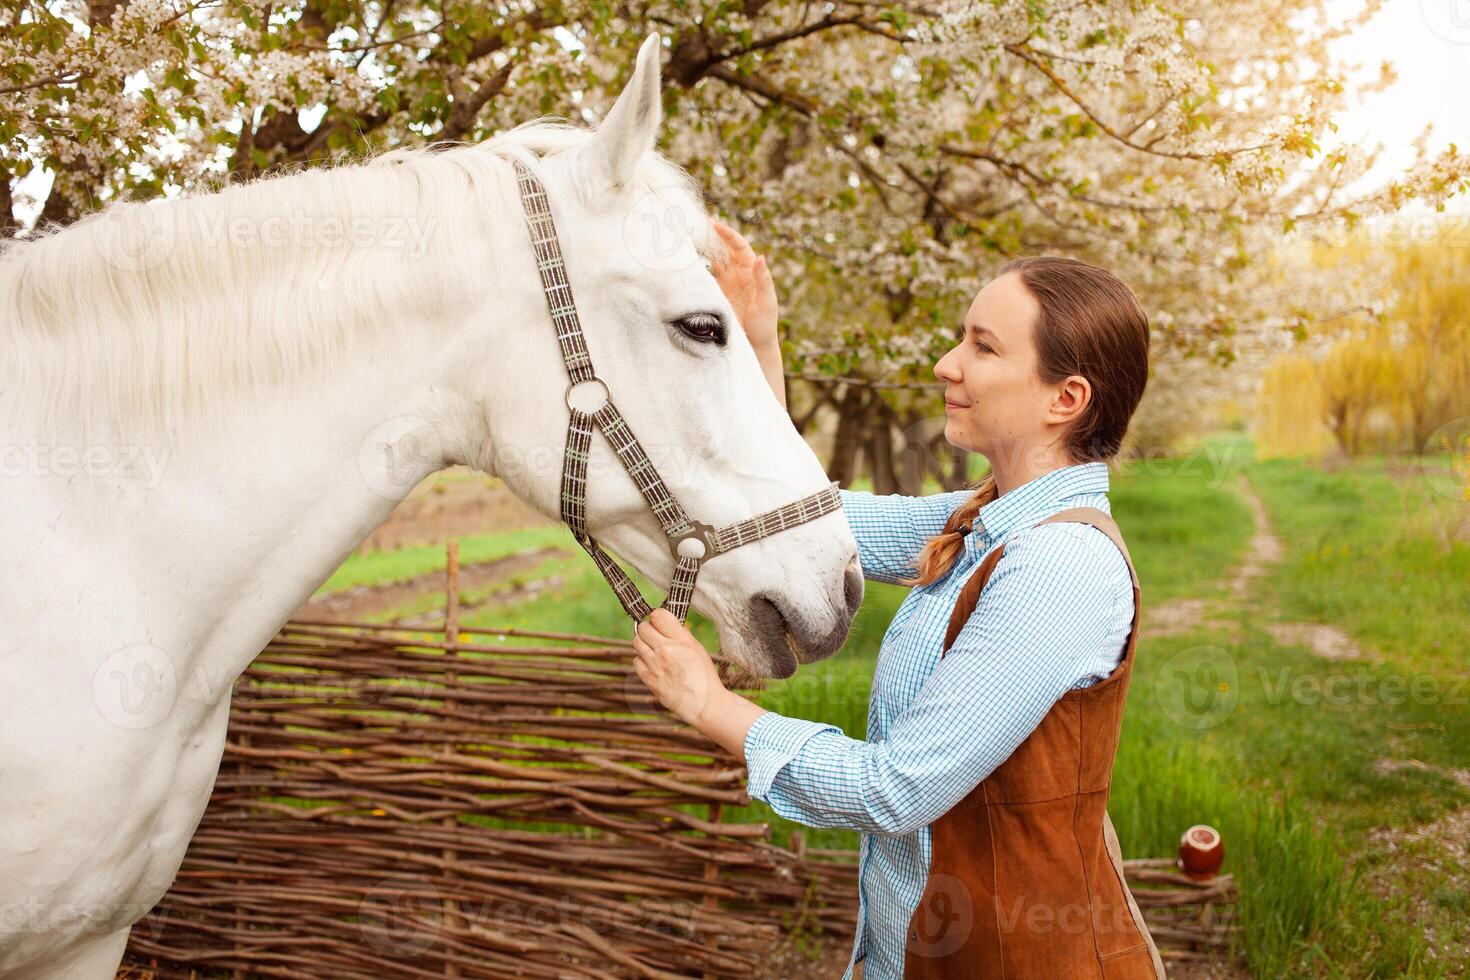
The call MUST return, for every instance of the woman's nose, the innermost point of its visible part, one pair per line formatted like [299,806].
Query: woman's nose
[943,369]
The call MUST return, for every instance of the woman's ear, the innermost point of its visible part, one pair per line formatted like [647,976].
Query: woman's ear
[1074,394]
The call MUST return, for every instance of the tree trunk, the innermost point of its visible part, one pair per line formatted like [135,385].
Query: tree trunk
[823,396]
[880,446]
[913,461]
[8,226]
[959,473]
[850,411]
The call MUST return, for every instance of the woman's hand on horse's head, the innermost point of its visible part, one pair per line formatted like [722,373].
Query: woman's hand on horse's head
[747,284]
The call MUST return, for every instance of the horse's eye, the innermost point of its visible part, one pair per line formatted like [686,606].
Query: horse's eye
[706,328]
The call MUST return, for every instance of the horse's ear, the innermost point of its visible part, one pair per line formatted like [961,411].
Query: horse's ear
[628,132]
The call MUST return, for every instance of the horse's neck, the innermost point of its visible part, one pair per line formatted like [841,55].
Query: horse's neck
[206,547]
[206,555]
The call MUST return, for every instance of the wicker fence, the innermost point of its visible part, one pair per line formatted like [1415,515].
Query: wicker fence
[510,804]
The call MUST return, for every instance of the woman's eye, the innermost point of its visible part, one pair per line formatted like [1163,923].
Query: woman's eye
[704,327]
[983,346]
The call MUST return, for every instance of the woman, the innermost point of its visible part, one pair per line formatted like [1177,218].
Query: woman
[997,699]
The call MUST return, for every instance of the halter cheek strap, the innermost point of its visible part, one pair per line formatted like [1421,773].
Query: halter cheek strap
[590,404]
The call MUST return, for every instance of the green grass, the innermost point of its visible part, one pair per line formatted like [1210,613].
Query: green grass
[390,567]
[1185,527]
[1281,777]
[1376,554]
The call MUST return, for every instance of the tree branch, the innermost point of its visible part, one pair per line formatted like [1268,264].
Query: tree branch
[1028,55]
[467,105]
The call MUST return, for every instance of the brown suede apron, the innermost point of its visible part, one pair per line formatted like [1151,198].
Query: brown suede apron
[1026,879]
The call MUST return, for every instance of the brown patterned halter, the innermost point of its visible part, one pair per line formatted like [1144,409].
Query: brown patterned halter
[691,542]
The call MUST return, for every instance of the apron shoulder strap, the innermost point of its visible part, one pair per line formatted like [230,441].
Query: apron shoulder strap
[970,592]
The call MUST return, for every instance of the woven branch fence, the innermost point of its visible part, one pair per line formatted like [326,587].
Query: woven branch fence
[447,803]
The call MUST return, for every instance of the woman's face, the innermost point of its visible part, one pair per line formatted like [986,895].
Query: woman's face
[995,401]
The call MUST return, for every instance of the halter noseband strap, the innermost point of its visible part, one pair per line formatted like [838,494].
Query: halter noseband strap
[590,403]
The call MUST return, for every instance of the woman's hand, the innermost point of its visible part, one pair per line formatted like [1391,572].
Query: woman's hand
[675,666]
[678,670]
[747,284]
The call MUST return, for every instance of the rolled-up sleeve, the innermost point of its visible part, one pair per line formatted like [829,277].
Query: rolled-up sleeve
[1044,624]
[891,529]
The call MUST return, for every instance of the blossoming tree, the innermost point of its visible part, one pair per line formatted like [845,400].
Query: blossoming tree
[888,155]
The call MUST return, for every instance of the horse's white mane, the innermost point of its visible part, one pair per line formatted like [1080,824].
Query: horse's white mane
[177,291]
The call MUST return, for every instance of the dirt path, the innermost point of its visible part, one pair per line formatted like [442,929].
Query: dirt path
[1262,552]
[450,505]
[366,601]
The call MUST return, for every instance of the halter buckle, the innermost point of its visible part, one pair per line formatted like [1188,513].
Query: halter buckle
[698,543]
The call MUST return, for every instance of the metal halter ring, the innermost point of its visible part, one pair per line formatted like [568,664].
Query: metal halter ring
[594,380]
[697,544]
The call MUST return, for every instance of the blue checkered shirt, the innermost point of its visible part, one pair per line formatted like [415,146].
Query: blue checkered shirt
[1054,616]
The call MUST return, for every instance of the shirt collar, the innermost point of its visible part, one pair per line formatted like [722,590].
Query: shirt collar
[1033,500]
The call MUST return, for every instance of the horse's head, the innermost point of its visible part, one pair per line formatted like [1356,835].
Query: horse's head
[637,247]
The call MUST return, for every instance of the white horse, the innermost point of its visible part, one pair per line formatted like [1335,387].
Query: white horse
[206,404]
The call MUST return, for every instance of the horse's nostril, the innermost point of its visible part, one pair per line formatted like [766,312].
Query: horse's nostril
[852,585]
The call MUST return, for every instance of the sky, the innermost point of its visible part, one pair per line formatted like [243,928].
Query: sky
[1428,42]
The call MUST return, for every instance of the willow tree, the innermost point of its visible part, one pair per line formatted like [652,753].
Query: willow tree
[1394,376]
[889,155]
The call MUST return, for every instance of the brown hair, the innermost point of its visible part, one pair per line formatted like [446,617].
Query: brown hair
[1090,324]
